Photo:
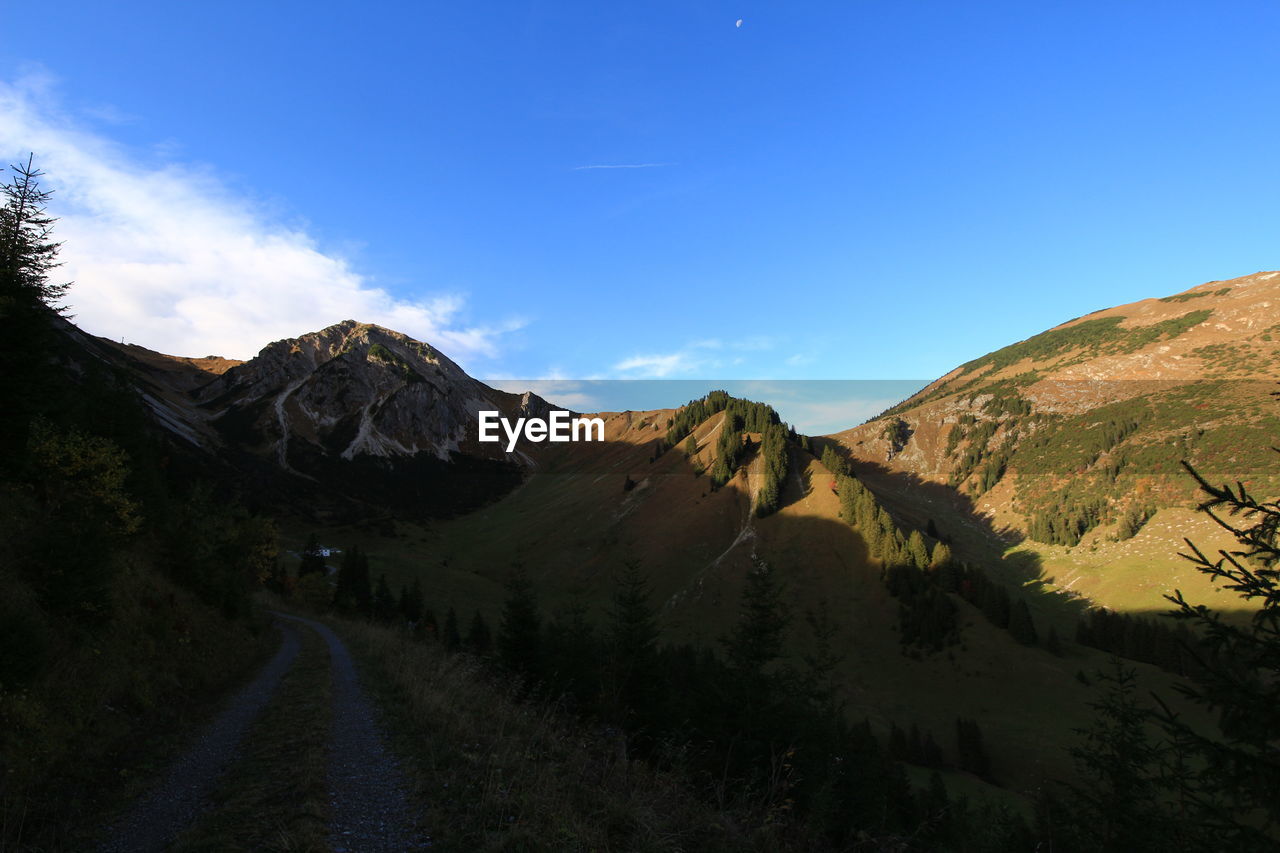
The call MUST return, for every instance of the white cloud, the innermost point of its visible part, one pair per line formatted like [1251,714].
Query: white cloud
[655,366]
[705,355]
[167,257]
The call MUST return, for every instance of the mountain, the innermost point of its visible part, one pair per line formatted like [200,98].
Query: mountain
[1070,442]
[353,414]
[1096,413]
[904,550]
[345,422]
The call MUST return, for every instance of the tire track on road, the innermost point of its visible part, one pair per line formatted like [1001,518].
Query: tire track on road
[184,793]
[369,804]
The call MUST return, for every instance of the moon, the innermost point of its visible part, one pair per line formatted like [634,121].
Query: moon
[738,23]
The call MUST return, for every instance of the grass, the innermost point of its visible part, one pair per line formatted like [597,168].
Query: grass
[681,535]
[497,773]
[572,531]
[1099,336]
[115,705]
[274,797]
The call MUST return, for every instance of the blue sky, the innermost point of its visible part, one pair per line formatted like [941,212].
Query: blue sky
[872,190]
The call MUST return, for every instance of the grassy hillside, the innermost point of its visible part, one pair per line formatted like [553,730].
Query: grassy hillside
[1069,443]
[574,525]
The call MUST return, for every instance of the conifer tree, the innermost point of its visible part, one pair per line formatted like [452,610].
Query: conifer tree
[940,557]
[822,661]
[450,637]
[757,638]
[897,742]
[1236,676]
[384,603]
[353,593]
[518,634]
[28,303]
[970,751]
[833,462]
[572,659]
[27,254]
[479,640]
[632,638]
[1021,625]
[917,552]
[1120,806]
[411,602]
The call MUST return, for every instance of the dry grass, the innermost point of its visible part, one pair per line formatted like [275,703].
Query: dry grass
[496,773]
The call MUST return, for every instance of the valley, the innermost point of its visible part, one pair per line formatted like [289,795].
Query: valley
[957,567]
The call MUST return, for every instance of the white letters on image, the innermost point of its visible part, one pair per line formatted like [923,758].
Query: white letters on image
[560,426]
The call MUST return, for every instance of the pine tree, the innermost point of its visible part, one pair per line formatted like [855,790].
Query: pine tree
[353,593]
[384,603]
[970,751]
[450,637]
[757,638]
[821,662]
[833,462]
[1021,625]
[691,446]
[572,658]
[632,638]
[917,552]
[1119,808]
[940,558]
[411,602]
[1236,677]
[897,742]
[28,304]
[27,254]
[518,634]
[479,639]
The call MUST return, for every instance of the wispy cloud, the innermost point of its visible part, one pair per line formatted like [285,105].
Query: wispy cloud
[656,366]
[704,356]
[166,255]
[624,166]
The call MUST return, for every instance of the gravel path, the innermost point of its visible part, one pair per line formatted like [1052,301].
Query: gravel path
[158,818]
[368,794]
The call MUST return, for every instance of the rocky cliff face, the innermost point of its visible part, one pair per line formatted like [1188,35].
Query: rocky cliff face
[354,410]
[351,390]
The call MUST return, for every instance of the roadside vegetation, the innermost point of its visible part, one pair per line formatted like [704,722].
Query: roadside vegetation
[568,734]
[125,588]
